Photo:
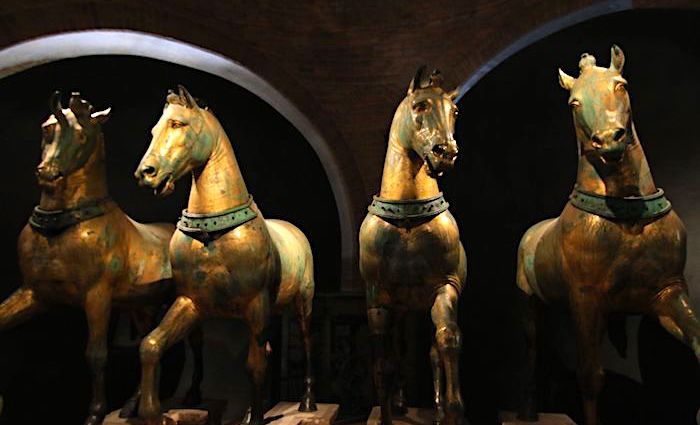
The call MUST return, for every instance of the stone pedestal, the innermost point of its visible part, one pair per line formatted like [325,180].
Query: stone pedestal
[209,412]
[511,418]
[287,413]
[414,416]
[171,417]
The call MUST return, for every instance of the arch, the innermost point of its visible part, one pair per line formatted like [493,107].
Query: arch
[28,54]
[584,14]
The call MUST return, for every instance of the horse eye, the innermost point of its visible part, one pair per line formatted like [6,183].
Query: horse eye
[177,124]
[421,106]
[575,103]
[620,87]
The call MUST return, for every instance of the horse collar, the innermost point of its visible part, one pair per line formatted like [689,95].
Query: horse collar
[210,226]
[55,221]
[627,208]
[408,208]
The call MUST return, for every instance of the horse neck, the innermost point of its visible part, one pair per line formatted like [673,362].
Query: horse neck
[404,175]
[86,184]
[218,185]
[632,176]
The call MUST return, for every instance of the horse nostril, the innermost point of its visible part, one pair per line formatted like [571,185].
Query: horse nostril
[597,141]
[619,134]
[439,150]
[148,170]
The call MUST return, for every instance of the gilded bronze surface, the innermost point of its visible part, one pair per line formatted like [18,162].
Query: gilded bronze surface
[594,265]
[98,263]
[245,272]
[416,264]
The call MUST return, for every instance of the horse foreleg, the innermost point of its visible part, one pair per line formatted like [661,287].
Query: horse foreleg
[449,342]
[180,318]
[528,407]
[303,311]
[98,305]
[589,323]
[436,365]
[257,317]
[677,316]
[398,403]
[143,320]
[379,319]
[18,308]
[195,339]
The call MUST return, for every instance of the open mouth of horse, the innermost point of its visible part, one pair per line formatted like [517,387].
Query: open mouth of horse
[612,157]
[165,187]
[49,182]
[438,162]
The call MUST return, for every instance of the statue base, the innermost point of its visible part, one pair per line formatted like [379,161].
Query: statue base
[209,412]
[287,413]
[511,418]
[414,416]
[171,417]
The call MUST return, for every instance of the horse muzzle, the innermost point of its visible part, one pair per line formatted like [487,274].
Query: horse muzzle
[610,144]
[48,173]
[148,174]
[441,158]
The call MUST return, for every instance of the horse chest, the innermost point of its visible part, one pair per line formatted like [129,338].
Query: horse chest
[625,256]
[63,266]
[409,256]
[222,276]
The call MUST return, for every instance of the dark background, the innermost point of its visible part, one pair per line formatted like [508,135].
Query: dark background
[517,165]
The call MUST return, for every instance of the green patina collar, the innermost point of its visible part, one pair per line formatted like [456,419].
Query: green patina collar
[408,208]
[627,208]
[54,221]
[203,225]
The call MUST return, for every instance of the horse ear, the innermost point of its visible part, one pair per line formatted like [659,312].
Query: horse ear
[566,80]
[454,94]
[617,58]
[416,81]
[56,107]
[187,97]
[80,107]
[101,117]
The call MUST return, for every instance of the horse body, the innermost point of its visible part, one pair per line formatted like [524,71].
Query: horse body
[414,260]
[589,247]
[94,262]
[245,271]
[625,255]
[130,260]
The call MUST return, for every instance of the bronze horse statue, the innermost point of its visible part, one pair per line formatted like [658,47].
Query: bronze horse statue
[617,246]
[80,249]
[411,257]
[227,260]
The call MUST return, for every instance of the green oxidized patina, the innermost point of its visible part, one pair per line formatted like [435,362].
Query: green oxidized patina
[622,208]
[408,208]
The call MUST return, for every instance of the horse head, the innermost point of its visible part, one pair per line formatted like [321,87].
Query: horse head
[425,121]
[180,144]
[69,138]
[601,109]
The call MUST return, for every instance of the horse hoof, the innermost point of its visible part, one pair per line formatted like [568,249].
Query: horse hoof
[307,404]
[399,409]
[130,408]
[94,419]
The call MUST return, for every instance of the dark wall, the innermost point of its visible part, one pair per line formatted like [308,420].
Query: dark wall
[517,166]
[42,371]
